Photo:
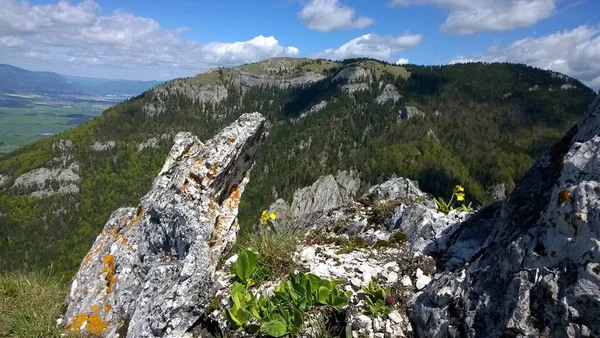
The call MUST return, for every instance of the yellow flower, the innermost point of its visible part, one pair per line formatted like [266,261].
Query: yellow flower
[272,216]
[264,217]
[459,189]
[460,196]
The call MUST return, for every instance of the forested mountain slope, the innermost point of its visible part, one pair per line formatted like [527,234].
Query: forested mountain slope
[479,125]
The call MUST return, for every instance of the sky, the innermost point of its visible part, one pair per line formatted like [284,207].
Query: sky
[159,40]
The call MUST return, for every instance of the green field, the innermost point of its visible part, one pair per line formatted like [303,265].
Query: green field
[25,118]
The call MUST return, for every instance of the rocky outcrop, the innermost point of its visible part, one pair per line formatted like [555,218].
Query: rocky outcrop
[61,176]
[199,94]
[326,193]
[3,179]
[151,143]
[388,93]
[529,267]
[410,112]
[102,146]
[353,78]
[150,273]
[250,80]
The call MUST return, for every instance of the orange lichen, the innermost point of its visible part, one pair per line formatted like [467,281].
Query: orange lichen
[232,140]
[95,324]
[234,198]
[139,216]
[95,307]
[214,169]
[109,269]
[78,321]
[128,247]
[107,308]
[123,241]
[564,196]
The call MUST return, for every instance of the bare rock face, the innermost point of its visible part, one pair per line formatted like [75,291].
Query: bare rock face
[537,273]
[410,112]
[250,80]
[353,79]
[326,193]
[150,273]
[103,146]
[205,94]
[60,176]
[388,93]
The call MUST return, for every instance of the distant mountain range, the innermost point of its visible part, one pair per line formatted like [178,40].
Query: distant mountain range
[19,80]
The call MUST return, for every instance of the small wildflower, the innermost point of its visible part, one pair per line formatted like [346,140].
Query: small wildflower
[389,300]
[272,216]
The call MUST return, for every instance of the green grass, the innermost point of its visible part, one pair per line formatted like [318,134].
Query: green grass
[297,67]
[378,69]
[276,249]
[30,303]
[210,78]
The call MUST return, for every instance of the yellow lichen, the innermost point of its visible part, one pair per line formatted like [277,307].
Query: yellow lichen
[139,216]
[109,269]
[95,324]
[123,241]
[214,169]
[95,307]
[107,308]
[78,321]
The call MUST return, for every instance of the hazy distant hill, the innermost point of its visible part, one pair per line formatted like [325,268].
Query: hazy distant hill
[18,80]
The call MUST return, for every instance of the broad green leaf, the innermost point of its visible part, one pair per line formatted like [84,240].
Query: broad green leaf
[324,295]
[339,302]
[274,328]
[239,316]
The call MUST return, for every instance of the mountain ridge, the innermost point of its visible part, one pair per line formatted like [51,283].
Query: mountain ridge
[479,125]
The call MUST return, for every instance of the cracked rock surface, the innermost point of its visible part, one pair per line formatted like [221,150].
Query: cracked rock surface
[150,273]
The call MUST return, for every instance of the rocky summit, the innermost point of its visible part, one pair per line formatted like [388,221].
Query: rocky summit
[151,271]
[528,266]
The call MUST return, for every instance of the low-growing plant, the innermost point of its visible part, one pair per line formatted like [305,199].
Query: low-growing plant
[245,265]
[283,312]
[459,193]
[376,299]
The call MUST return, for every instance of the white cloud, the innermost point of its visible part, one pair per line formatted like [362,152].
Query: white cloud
[471,16]
[117,44]
[573,52]
[327,15]
[372,46]
[402,61]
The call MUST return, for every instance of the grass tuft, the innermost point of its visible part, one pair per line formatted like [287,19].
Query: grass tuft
[30,303]
[276,249]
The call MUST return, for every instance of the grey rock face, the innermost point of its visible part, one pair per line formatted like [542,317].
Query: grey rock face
[326,193]
[3,179]
[102,146]
[410,112]
[62,176]
[353,74]
[212,94]
[246,79]
[150,273]
[397,188]
[538,272]
[497,192]
[151,143]
[389,93]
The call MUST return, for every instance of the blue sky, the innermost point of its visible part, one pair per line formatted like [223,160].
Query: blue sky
[159,40]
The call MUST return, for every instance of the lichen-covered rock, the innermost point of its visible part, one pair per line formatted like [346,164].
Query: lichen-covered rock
[388,93]
[150,273]
[538,272]
[326,193]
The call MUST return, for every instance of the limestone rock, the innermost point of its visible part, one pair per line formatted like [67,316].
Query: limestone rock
[410,112]
[353,74]
[497,192]
[200,94]
[389,93]
[250,80]
[538,272]
[3,179]
[397,188]
[61,176]
[150,273]
[326,193]
[102,146]
[151,143]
